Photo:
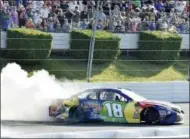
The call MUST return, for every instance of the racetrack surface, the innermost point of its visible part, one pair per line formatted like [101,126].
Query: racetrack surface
[54,127]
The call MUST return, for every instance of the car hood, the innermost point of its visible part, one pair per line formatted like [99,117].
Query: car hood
[163,103]
[67,102]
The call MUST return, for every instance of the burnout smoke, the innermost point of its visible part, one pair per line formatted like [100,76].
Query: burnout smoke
[27,98]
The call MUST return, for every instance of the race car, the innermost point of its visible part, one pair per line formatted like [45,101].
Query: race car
[114,105]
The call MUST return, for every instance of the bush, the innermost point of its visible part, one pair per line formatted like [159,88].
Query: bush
[28,44]
[159,47]
[104,42]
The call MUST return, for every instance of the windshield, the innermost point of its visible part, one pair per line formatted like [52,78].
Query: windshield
[83,94]
[133,95]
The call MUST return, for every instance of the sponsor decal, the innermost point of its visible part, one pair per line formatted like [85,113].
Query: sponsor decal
[136,114]
[95,106]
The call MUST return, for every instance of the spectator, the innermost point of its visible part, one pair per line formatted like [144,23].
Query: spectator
[106,8]
[132,15]
[180,5]
[64,6]
[160,6]
[69,15]
[6,20]
[14,15]
[58,26]
[61,17]
[144,25]
[100,25]
[1,5]
[118,27]
[91,13]
[181,26]
[116,12]
[30,24]
[100,15]
[152,26]
[6,4]
[134,24]
[91,24]
[29,12]
[90,4]
[36,16]
[122,27]
[73,4]
[18,2]
[128,22]
[152,15]
[38,25]
[29,5]
[44,12]
[76,18]
[23,18]
[66,26]
[84,14]
[50,24]
[172,28]
[164,26]
[84,24]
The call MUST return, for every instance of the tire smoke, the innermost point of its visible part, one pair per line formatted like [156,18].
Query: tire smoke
[26,98]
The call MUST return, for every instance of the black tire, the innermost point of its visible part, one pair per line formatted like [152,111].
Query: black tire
[151,116]
[76,115]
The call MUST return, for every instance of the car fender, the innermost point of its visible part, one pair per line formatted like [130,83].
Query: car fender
[132,112]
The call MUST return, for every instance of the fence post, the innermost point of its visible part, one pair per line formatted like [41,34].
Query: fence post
[91,49]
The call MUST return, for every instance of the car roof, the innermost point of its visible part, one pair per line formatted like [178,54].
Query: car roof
[116,89]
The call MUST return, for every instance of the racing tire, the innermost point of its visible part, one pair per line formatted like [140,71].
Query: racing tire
[151,116]
[76,115]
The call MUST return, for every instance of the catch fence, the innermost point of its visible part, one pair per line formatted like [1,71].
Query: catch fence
[128,66]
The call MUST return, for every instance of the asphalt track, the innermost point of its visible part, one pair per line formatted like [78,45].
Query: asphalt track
[54,127]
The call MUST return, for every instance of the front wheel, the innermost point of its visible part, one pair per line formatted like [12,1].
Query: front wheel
[151,116]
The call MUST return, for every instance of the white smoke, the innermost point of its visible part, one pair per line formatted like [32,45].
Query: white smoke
[27,99]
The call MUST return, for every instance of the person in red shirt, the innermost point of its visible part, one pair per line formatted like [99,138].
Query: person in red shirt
[30,24]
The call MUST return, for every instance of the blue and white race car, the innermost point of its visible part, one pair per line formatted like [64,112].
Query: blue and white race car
[115,105]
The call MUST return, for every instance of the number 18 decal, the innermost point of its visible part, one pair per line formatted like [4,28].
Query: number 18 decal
[114,110]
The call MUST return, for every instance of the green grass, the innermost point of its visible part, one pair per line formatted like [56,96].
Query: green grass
[115,71]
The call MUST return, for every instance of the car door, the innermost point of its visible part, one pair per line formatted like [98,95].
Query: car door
[91,105]
[113,106]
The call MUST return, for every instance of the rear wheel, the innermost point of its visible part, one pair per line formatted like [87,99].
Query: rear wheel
[76,115]
[151,116]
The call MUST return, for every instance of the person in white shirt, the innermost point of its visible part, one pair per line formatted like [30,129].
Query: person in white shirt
[44,12]
[66,26]
[180,5]
[36,16]
[165,26]
[72,5]
[37,4]
[100,15]
[34,6]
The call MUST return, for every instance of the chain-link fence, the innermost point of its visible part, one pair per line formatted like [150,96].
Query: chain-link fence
[127,66]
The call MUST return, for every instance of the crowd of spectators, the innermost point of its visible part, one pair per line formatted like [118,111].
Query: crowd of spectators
[112,15]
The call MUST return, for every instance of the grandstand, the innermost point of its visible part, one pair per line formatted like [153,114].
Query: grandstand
[114,15]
